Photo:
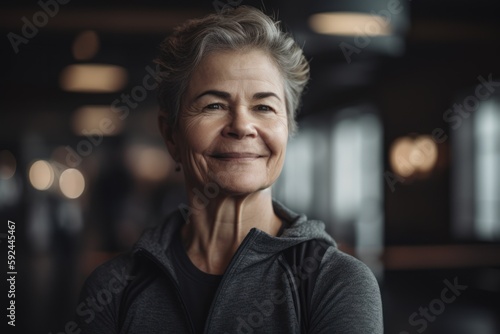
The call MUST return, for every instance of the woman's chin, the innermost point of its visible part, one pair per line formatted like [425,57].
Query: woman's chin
[241,185]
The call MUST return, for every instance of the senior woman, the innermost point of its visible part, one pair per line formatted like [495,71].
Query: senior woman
[232,260]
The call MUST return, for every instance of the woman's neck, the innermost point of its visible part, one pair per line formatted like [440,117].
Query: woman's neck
[216,229]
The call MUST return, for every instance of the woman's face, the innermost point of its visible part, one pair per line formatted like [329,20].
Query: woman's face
[232,126]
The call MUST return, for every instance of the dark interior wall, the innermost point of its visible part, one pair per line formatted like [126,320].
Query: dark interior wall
[448,44]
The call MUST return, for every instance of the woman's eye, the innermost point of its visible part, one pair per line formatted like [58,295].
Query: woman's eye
[264,108]
[214,106]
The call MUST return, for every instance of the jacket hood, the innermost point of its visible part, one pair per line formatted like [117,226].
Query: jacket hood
[259,244]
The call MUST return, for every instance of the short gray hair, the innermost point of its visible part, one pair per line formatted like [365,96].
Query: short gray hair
[233,29]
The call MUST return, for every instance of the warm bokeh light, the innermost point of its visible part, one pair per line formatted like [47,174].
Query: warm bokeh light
[41,175]
[93,78]
[72,183]
[400,153]
[425,154]
[409,156]
[149,163]
[96,119]
[86,45]
[349,24]
[7,165]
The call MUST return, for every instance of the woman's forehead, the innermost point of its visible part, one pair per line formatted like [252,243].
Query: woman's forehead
[232,70]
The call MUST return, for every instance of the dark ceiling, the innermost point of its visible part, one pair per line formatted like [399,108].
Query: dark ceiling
[446,46]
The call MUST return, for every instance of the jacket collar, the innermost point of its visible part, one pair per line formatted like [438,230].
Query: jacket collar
[260,245]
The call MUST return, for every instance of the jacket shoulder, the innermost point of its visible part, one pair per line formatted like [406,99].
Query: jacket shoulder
[346,296]
[100,297]
[115,270]
[342,265]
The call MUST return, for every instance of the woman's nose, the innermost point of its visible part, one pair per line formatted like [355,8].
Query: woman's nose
[240,124]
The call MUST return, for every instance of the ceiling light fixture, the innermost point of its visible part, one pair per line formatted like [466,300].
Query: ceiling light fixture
[93,78]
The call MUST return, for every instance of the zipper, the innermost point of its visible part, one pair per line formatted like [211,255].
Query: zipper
[152,258]
[250,236]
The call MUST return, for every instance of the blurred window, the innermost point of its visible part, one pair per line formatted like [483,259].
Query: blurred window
[476,178]
[333,172]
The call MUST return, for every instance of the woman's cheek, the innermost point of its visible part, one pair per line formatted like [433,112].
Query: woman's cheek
[193,131]
[279,133]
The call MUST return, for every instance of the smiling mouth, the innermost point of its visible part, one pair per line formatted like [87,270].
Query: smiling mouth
[236,156]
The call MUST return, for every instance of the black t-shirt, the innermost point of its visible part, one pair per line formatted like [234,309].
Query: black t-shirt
[197,287]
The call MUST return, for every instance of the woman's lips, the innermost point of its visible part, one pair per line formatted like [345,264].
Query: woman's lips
[232,156]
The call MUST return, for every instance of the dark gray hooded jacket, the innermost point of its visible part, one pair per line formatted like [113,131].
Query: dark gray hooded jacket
[296,283]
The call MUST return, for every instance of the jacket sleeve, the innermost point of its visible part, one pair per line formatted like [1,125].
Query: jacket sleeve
[100,297]
[346,297]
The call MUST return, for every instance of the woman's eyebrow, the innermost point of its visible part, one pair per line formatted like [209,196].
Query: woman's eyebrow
[263,95]
[227,96]
[217,93]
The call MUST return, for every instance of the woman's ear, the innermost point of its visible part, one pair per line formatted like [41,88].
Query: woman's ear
[167,132]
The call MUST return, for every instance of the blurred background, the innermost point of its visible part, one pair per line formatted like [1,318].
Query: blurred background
[398,149]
